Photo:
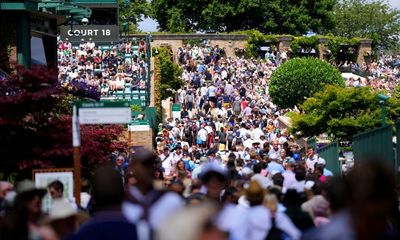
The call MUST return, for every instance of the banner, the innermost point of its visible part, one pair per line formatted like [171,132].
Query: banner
[98,33]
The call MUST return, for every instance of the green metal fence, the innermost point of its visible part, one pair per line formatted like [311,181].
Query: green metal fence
[312,142]
[374,143]
[330,153]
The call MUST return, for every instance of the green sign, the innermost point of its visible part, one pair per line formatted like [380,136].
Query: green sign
[117,104]
[176,107]
[140,122]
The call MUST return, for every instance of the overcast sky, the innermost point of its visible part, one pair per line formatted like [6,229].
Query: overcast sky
[150,25]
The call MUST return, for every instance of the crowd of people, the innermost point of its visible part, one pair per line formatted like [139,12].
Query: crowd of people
[219,202]
[382,75]
[119,67]
[225,169]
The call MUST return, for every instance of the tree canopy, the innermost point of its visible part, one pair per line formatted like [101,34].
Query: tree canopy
[36,125]
[275,16]
[341,112]
[373,19]
[299,78]
[132,11]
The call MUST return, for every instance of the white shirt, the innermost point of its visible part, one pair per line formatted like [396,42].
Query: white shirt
[259,223]
[168,164]
[202,134]
[310,162]
[289,179]
[248,143]
[159,212]
[257,133]
[263,181]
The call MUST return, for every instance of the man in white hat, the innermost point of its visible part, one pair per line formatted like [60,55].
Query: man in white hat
[62,218]
[322,162]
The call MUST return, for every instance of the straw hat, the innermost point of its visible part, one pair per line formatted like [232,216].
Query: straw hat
[27,186]
[61,209]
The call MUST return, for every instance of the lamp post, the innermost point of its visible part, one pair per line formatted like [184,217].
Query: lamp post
[382,102]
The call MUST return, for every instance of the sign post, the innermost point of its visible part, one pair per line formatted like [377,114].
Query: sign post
[176,111]
[93,113]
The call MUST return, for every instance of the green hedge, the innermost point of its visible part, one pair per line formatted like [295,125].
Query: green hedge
[296,80]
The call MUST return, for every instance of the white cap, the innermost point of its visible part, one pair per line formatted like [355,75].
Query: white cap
[213,167]
[321,161]
[61,209]
[246,171]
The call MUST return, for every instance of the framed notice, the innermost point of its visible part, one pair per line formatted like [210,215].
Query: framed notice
[43,177]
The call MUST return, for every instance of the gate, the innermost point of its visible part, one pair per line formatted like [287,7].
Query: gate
[375,143]
[330,153]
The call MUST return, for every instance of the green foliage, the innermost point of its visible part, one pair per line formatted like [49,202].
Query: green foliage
[132,11]
[193,42]
[345,47]
[340,112]
[307,43]
[256,39]
[300,78]
[275,16]
[373,19]
[136,108]
[170,73]
[167,78]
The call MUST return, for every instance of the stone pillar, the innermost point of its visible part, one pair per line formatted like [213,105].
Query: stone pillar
[173,44]
[364,49]
[322,48]
[229,45]
[284,43]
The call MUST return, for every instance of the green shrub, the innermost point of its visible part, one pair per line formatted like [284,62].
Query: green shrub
[296,80]
[136,108]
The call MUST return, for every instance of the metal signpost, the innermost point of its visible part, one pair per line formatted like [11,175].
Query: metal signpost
[93,113]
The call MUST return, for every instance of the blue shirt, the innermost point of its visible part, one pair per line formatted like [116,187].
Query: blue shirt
[274,166]
[327,173]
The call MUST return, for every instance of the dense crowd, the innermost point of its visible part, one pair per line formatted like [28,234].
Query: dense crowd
[119,67]
[383,74]
[225,169]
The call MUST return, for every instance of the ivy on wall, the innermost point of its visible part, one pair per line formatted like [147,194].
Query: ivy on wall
[302,46]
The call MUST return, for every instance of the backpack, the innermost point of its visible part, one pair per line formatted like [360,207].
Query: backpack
[187,131]
[275,233]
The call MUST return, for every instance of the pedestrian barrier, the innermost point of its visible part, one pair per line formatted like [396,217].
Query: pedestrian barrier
[330,153]
[375,143]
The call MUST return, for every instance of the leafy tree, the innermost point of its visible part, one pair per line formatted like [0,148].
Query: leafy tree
[36,128]
[132,11]
[167,78]
[300,78]
[170,73]
[275,16]
[373,19]
[340,112]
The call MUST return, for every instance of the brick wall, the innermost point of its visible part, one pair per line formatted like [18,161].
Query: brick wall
[142,138]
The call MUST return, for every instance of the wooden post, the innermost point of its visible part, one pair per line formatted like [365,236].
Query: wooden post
[76,143]
[129,138]
[77,174]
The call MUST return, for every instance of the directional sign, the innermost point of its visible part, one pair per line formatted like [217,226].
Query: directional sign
[104,115]
[118,104]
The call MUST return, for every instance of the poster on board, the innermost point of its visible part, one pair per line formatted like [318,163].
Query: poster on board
[43,177]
